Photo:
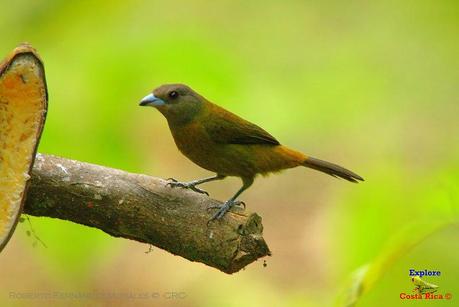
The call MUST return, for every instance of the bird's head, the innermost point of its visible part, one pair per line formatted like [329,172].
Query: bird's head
[177,102]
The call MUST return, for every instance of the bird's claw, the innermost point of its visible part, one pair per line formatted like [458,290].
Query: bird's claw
[224,208]
[238,203]
[196,189]
[173,183]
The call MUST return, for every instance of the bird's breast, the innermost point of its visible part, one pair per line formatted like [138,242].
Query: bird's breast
[193,141]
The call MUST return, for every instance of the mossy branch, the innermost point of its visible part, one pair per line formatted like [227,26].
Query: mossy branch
[144,209]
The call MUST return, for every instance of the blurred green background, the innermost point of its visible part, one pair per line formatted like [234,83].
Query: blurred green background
[371,86]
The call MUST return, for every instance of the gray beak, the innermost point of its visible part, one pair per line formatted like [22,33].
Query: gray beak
[151,100]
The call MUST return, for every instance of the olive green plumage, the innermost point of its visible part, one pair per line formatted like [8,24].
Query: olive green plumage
[225,143]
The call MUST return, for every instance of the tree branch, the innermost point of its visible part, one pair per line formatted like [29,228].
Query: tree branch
[144,209]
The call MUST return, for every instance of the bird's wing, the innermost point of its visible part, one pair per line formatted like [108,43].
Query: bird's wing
[227,128]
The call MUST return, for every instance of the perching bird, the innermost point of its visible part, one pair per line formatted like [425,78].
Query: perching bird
[226,144]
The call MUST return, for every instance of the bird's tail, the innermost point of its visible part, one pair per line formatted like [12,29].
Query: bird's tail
[331,169]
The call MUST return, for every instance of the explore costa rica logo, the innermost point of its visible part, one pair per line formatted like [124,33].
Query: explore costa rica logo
[424,290]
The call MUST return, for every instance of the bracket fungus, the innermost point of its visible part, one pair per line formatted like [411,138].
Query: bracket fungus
[23,106]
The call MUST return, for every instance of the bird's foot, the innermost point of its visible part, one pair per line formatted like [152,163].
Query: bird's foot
[173,183]
[238,203]
[224,208]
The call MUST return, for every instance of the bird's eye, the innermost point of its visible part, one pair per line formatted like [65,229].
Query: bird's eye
[173,95]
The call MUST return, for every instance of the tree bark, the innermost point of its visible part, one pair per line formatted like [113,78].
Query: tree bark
[144,209]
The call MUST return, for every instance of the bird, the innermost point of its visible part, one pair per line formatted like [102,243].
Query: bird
[423,287]
[226,144]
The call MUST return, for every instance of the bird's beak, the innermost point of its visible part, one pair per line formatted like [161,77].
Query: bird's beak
[151,100]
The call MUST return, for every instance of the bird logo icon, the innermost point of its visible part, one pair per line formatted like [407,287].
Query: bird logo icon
[422,286]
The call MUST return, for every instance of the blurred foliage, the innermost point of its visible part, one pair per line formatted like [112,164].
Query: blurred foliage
[366,277]
[369,85]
